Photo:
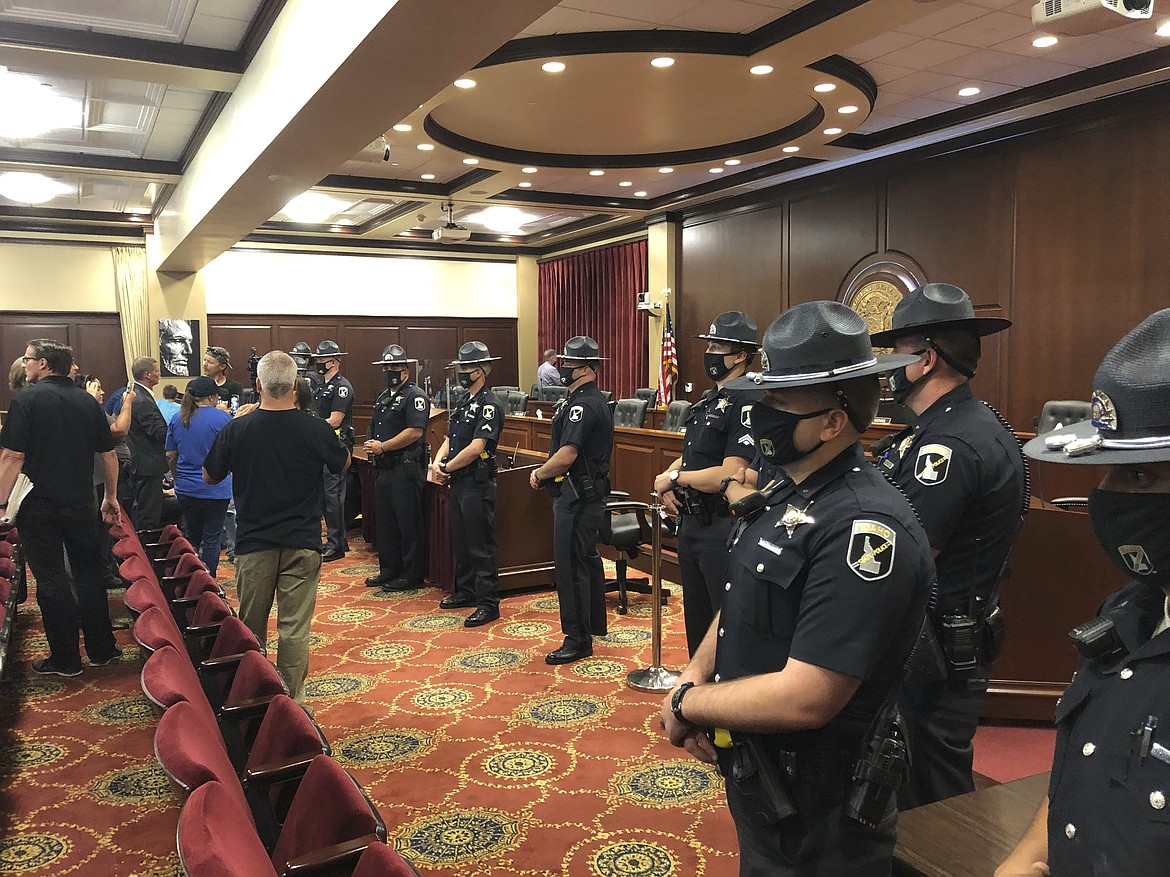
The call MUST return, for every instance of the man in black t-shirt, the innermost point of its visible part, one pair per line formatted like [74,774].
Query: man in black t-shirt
[216,362]
[277,456]
[51,434]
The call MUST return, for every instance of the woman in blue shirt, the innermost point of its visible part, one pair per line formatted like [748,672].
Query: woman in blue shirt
[189,437]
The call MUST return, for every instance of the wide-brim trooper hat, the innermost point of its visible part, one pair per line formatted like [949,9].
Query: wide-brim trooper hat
[328,350]
[734,327]
[933,308]
[1130,420]
[473,353]
[816,342]
[582,347]
[301,348]
[394,354]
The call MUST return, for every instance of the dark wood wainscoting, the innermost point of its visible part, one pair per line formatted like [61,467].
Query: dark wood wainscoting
[96,339]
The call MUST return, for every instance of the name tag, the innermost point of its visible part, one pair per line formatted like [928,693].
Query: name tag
[775,549]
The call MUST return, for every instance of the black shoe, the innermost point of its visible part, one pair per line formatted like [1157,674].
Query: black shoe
[378,580]
[481,616]
[402,585]
[46,667]
[454,602]
[114,657]
[566,655]
[331,555]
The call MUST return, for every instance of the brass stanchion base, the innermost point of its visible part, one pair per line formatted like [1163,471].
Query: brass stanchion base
[652,679]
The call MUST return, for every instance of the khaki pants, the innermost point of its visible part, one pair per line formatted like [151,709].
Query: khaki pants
[290,575]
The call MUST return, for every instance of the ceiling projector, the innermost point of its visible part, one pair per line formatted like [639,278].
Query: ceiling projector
[1079,17]
[450,233]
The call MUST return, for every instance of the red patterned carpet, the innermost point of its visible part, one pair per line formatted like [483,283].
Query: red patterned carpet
[482,759]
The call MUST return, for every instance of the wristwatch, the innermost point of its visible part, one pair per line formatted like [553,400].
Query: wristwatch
[676,701]
[724,484]
[673,476]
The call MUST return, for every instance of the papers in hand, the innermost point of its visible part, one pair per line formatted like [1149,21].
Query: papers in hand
[22,488]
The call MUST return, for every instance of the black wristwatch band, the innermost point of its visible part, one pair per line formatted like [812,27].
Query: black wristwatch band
[676,701]
[724,483]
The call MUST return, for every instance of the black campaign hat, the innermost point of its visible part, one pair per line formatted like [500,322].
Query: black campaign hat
[581,347]
[1130,420]
[328,350]
[394,354]
[473,353]
[734,327]
[816,342]
[932,308]
[301,348]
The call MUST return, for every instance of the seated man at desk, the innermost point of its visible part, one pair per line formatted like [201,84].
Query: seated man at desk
[1105,813]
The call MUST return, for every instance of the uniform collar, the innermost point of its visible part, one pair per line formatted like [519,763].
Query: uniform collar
[959,394]
[583,389]
[1136,617]
[850,458]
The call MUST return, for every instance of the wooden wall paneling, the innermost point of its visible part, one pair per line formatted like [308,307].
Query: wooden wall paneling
[731,264]
[500,341]
[828,233]
[238,337]
[288,332]
[96,340]
[98,350]
[632,467]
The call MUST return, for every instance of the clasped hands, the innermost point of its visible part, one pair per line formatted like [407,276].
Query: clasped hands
[685,735]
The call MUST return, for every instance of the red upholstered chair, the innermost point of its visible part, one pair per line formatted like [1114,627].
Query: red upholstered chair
[255,684]
[7,549]
[168,678]
[7,568]
[183,605]
[158,542]
[382,860]
[174,580]
[330,819]
[135,568]
[189,748]
[155,628]
[142,594]
[202,626]
[218,669]
[216,837]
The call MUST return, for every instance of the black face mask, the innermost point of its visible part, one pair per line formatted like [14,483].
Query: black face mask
[1133,530]
[466,379]
[715,365]
[392,379]
[322,369]
[900,385]
[567,374]
[774,432]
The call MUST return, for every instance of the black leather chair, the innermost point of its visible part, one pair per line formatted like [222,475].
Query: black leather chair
[608,394]
[676,416]
[1062,412]
[630,412]
[625,527]
[501,390]
[534,391]
[553,394]
[647,394]
[514,401]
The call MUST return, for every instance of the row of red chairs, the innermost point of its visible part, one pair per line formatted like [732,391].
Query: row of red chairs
[12,586]
[263,794]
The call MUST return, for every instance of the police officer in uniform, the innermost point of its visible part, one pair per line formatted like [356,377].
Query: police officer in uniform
[1106,812]
[792,689]
[467,461]
[334,400]
[397,446]
[577,474]
[963,470]
[302,354]
[716,445]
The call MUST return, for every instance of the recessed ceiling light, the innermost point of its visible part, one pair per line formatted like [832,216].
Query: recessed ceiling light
[791,149]
[1044,42]
[525,185]
[405,234]
[426,147]
[312,207]
[761,69]
[832,131]
[32,108]
[662,62]
[29,188]
[471,161]
[732,162]
[1163,29]
[465,83]
[625,183]
[846,110]
[666,170]
[501,219]
[529,170]
[552,66]
[505,237]
[969,91]
[639,194]
[428,176]
[825,87]
[597,173]
[403,127]
[715,170]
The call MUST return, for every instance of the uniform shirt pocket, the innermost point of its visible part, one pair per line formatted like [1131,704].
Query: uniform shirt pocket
[769,573]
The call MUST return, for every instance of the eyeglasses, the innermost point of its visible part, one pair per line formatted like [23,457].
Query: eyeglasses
[30,358]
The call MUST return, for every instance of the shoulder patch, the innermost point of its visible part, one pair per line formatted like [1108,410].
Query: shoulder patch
[932,464]
[745,416]
[575,413]
[489,411]
[871,550]
[343,391]
[420,403]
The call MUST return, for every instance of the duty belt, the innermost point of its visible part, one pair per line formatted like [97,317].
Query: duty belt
[705,505]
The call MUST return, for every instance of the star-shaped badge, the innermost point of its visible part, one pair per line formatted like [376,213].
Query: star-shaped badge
[474,406]
[793,518]
[722,403]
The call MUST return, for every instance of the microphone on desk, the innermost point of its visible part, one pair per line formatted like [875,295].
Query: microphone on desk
[515,451]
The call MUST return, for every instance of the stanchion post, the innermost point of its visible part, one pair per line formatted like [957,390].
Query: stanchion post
[655,678]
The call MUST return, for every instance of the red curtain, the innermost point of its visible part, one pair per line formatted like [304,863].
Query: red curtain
[595,293]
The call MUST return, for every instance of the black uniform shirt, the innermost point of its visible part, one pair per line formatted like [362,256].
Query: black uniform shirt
[719,425]
[1109,812]
[965,476]
[585,422]
[230,388]
[58,427]
[406,408]
[836,572]
[475,417]
[335,394]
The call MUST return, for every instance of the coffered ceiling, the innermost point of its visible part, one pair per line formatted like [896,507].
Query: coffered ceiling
[594,116]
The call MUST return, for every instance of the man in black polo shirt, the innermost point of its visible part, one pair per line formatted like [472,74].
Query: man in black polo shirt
[52,432]
[216,362]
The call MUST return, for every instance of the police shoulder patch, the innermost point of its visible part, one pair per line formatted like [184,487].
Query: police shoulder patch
[420,403]
[745,416]
[343,392]
[933,464]
[871,550]
[576,413]
[489,411]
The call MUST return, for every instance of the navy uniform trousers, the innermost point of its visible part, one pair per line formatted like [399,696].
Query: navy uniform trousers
[399,521]
[579,572]
[702,561]
[472,512]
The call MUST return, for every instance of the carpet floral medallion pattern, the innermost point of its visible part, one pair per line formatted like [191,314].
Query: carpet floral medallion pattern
[483,760]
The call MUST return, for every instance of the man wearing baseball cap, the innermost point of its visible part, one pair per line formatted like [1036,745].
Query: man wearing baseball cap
[1106,811]
[961,467]
[216,362]
[792,689]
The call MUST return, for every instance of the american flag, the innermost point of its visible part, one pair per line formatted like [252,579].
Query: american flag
[668,374]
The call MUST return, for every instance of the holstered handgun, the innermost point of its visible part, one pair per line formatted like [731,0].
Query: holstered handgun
[759,779]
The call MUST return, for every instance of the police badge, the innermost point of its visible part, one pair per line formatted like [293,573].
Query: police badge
[1104,414]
